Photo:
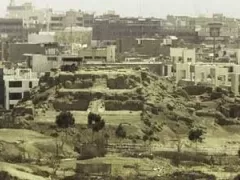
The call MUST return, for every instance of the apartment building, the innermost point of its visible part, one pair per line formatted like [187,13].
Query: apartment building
[12,28]
[30,15]
[16,84]
[114,27]
[61,20]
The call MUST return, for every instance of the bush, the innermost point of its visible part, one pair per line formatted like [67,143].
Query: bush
[65,120]
[121,132]
[95,149]
[69,68]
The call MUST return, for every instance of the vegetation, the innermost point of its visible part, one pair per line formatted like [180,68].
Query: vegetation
[121,132]
[65,119]
[69,68]
[196,135]
[95,122]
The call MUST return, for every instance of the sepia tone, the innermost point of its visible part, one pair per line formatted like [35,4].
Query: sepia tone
[117,90]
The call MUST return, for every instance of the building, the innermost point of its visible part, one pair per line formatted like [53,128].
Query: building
[41,37]
[16,84]
[41,63]
[114,27]
[60,20]
[229,29]
[217,75]
[30,16]
[183,55]
[76,35]
[88,19]
[100,54]
[12,29]
[17,50]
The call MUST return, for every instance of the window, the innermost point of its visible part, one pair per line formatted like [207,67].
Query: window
[52,58]
[189,59]
[15,96]
[15,84]
[30,84]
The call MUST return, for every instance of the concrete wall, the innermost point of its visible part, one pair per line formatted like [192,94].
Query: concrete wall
[156,68]
[189,55]
[2,88]
[111,53]
[41,38]
[40,63]
[183,55]
[201,73]
[235,83]
[16,51]
[182,72]
[108,53]
[78,36]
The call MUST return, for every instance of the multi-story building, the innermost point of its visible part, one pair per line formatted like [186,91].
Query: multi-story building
[61,20]
[17,50]
[88,19]
[16,84]
[78,35]
[12,28]
[230,27]
[31,16]
[113,27]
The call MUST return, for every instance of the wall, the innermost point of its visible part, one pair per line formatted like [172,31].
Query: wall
[78,35]
[1,88]
[182,72]
[41,38]
[235,83]
[16,51]
[175,54]
[40,63]
[189,53]
[153,67]
[201,73]
[182,55]
[111,53]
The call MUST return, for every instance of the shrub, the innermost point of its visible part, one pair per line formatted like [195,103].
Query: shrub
[65,119]
[96,122]
[121,132]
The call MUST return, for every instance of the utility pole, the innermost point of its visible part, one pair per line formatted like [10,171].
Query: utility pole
[71,40]
[214,32]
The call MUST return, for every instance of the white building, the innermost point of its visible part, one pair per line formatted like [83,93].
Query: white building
[40,63]
[41,37]
[17,82]
[77,35]
[183,55]
[29,14]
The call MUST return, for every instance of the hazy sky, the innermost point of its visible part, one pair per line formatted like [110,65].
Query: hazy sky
[158,8]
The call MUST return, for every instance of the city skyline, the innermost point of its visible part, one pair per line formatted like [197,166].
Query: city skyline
[145,8]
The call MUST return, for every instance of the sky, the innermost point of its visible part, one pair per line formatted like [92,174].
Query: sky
[144,8]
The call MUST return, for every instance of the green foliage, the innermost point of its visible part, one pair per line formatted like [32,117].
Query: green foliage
[196,135]
[91,150]
[95,122]
[65,119]
[121,132]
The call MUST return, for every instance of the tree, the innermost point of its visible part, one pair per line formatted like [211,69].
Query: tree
[65,119]
[121,132]
[196,135]
[95,122]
